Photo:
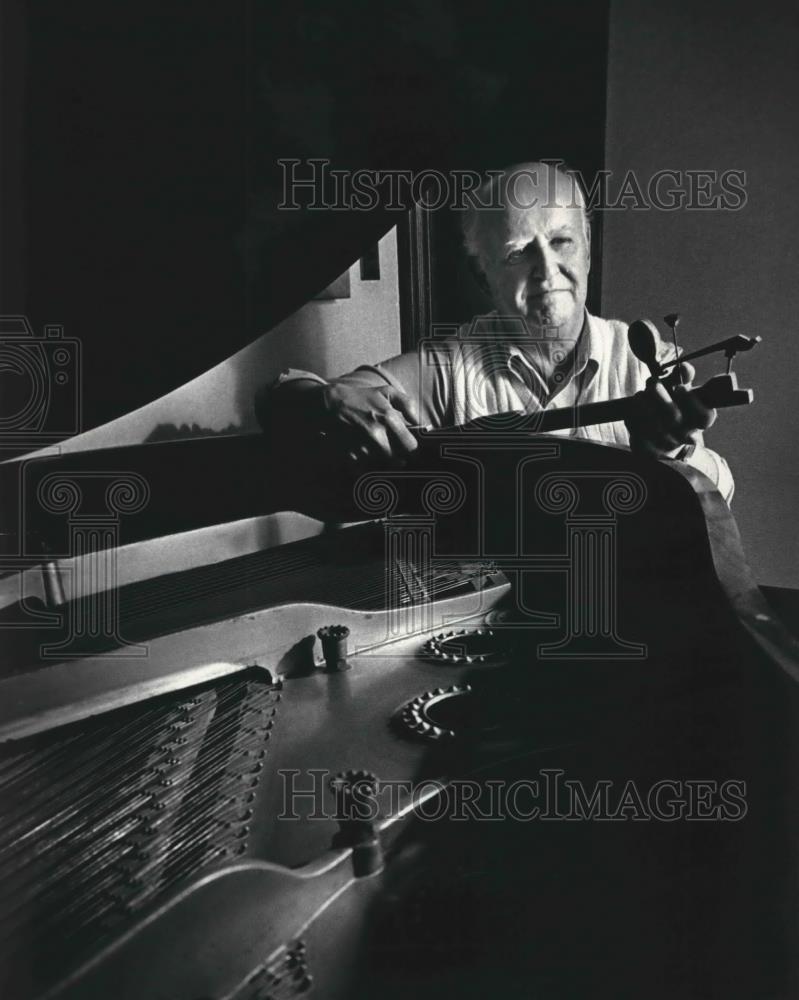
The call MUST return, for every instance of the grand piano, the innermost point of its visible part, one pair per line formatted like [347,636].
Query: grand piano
[517,719]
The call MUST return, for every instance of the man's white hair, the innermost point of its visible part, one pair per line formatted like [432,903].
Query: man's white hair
[492,196]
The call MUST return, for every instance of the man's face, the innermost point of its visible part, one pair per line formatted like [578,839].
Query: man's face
[536,259]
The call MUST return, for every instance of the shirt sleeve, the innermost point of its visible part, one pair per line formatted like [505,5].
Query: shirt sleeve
[704,459]
[296,375]
[423,375]
[711,464]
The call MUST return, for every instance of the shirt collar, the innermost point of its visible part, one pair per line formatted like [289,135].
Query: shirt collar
[589,351]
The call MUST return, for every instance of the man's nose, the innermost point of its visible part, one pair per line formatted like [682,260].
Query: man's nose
[543,260]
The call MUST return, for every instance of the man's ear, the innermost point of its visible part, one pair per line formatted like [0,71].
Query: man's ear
[478,275]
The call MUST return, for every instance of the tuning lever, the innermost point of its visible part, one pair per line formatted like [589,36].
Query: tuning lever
[729,347]
[722,390]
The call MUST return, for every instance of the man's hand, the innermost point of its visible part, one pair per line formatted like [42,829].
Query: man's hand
[661,425]
[369,422]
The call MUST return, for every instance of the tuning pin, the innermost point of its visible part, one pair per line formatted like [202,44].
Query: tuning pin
[334,647]
[672,320]
[642,336]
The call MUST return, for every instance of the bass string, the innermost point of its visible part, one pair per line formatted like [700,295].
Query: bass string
[108,807]
[127,750]
[43,821]
[11,763]
[45,891]
[105,870]
[361,590]
[176,849]
[196,800]
[58,757]
[98,899]
[83,839]
[166,590]
[115,906]
[271,563]
[184,840]
[432,583]
[61,781]
[220,755]
[111,872]
[100,894]
[118,767]
[221,576]
[123,910]
[199,810]
[367,597]
[83,804]
[297,576]
[88,905]
[105,727]
[20,763]
[120,750]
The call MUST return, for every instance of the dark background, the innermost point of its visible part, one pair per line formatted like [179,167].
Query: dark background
[140,183]
[714,87]
[141,142]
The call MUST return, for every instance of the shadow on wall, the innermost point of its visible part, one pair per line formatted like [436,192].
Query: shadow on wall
[328,337]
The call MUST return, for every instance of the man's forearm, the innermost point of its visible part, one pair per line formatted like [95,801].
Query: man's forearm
[711,464]
[292,400]
[296,394]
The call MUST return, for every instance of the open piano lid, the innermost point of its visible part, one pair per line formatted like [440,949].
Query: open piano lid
[178,260]
[159,243]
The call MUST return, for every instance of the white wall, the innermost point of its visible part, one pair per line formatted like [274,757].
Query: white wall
[710,86]
[329,337]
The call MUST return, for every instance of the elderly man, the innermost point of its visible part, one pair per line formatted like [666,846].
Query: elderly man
[539,350]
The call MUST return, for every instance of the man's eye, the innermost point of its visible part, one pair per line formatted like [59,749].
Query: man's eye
[514,256]
[560,241]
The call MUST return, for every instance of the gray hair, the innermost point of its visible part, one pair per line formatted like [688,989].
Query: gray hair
[489,198]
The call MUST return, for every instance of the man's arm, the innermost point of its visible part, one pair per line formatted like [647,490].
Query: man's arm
[713,466]
[672,426]
[365,413]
